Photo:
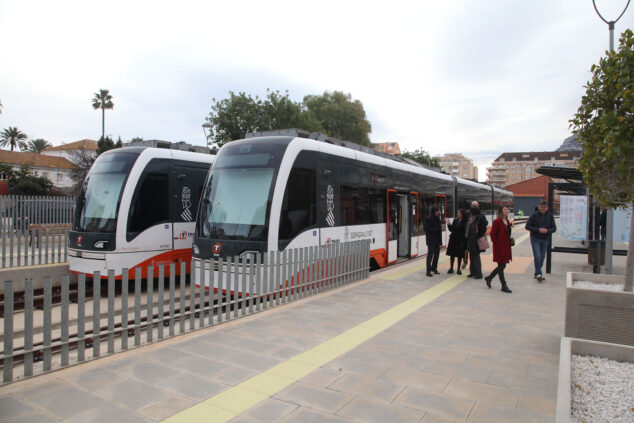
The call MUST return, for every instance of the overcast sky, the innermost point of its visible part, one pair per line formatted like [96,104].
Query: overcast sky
[477,77]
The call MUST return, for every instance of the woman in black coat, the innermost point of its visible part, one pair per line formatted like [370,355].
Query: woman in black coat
[457,240]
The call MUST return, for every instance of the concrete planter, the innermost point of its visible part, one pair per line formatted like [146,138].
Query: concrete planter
[570,346]
[606,316]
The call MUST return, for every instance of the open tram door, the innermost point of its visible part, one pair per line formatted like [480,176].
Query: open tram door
[441,204]
[413,226]
[401,225]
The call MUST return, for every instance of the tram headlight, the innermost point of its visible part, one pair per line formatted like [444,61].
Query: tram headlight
[100,244]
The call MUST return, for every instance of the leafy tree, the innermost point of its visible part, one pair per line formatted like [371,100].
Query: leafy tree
[37,145]
[604,123]
[1,106]
[102,100]
[13,137]
[136,139]
[421,156]
[105,144]
[340,116]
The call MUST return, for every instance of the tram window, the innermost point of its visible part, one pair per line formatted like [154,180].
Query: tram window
[355,205]
[377,206]
[299,207]
[150,205]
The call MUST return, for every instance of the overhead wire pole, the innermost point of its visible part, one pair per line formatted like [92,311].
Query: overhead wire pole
[609,218]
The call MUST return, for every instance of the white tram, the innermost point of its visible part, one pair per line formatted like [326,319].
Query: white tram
[137,207]
[269,193]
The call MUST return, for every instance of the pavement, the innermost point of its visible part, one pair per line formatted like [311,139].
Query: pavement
[397,347]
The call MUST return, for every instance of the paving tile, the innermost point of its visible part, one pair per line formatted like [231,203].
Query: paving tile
[304,415]
[270,410]
[429,382]
[482,392]
[235,375]
[99,378]
[456,370]
[168,355]
[150,372]
[487,413]
[496,363]
[166,407]
[34,391]
[349,365]
[193,387]
[359,385]
[364,410]
[107,413]
[322,377]
[537,402]
[284,353]
[444,405]
[11,407]
[545,385]
[444,354]
[132,394]
[314,397]
[204,367]
[435,418]
[33,418]
[251,361]
[211,350]
[66,401]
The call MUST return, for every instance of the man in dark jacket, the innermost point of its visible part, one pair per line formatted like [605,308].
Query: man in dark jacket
[541,224]
[433,236]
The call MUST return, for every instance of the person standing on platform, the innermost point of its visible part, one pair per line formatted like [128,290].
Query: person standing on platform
[476,229]
[501,240]
[541,224]
[457,240]
[433,235]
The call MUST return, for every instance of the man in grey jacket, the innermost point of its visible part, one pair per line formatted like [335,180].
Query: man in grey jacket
[541,224]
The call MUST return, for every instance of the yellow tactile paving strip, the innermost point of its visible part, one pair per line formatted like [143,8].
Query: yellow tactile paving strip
[238,399]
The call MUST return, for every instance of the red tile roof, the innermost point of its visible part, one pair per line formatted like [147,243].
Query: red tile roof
[34,159]
[86,144]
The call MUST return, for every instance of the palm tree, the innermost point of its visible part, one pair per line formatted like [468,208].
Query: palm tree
[12,136]
[102,100]
[37,145]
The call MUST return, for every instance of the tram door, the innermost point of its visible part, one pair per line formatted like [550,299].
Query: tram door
[441,204]
[403,225]
[413,226]
[393,207]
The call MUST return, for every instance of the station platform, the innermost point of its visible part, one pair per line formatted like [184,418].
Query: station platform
[395,347]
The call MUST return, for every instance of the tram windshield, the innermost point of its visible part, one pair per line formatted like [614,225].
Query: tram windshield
[237,195]
[98,200]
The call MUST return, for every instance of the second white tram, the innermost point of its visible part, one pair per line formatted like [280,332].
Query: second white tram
[270,193]
[137,207]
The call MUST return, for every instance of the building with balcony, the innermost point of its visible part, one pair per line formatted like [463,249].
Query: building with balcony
[456,164]
[511,168]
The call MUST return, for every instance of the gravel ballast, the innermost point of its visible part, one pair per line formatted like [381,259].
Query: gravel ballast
[602,390]
[599,286]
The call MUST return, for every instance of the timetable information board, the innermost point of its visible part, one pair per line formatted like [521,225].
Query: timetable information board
[573,217]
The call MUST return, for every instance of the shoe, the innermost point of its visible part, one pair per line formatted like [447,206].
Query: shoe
[429,274]
[470,275]
[451,270]
[477,277]
[458,272]
[506,289]
[488,281]
[436,272]
[539,278]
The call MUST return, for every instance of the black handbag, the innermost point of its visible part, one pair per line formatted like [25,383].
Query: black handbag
[512,242]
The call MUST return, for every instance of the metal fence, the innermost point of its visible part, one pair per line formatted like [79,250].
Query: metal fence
[34,229]
[105,316]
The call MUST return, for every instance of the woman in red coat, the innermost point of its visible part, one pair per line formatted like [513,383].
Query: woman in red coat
[501,239]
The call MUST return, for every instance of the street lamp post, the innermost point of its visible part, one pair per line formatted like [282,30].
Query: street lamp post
[207,127]
[609,218]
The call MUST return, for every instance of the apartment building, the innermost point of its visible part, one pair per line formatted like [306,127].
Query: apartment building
[388,147]
[511,168]
[458,165]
